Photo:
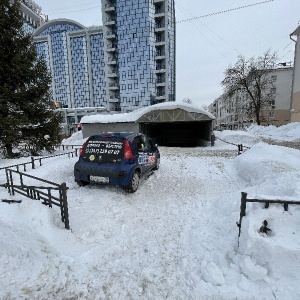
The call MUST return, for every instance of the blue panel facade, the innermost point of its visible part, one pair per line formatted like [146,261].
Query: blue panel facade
[98,65]
[28,28]
[135,53]
[80,71]
[42,49]
[70,65]
[171,50]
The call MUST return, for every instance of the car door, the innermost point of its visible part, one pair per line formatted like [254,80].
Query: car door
[149,153]
[142,157]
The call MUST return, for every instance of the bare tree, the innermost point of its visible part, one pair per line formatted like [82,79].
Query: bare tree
[254,78]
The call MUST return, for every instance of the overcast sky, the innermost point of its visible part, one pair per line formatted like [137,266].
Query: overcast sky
[208,45]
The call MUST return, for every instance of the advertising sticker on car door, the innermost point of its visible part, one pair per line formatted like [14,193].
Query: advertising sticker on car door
[146,158]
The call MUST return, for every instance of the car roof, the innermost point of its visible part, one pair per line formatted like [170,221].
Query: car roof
[126,135]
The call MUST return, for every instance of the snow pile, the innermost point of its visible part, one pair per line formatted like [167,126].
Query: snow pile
[75,139]
[237,137]
[289,132]
[271,170]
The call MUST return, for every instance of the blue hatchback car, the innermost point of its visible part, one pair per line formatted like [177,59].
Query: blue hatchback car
[116,158]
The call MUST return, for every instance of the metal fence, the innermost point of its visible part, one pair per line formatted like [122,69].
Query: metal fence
[52,195]
[33,161]
[266,202]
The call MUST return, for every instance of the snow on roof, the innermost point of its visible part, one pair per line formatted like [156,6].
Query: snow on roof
[135,115]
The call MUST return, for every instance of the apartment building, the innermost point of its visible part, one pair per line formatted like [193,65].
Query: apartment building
[139,51]
[125,64]
[230,115]
[295,103]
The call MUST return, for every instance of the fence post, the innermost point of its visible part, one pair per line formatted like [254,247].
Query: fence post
[32,162]
[64,203]
[240,149]
[11,183]
[8,181]
[243,204]
[242,211]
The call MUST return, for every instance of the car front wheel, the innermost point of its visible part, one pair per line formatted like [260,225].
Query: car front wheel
[134,183]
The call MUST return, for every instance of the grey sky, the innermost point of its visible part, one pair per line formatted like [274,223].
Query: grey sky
[207,46]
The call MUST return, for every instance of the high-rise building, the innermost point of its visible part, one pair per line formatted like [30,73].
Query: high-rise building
[139,50]
[127,63]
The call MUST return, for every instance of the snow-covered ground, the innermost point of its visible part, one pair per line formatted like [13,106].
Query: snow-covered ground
[175,238]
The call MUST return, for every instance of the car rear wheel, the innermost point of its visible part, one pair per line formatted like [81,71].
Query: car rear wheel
[157,164]
[82,182]
[134,183]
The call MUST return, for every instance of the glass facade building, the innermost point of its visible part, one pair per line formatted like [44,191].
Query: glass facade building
[127,63]
[139,37]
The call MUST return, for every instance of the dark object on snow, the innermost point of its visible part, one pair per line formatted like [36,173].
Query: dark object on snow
[264,228]
[11,201]
[240,149]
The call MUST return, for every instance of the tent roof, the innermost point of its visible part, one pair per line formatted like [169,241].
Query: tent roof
[162,112]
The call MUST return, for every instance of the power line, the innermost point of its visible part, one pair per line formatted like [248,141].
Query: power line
[216,48]
[239,52]
[224,11]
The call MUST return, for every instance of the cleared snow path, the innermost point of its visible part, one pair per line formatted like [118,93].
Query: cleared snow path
[153,244]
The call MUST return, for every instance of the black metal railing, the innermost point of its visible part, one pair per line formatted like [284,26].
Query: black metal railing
[53,194]
[266,202]
[33,160]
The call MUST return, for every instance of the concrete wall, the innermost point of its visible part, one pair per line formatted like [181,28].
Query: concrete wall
[91,129]
[295,105]
[283,86]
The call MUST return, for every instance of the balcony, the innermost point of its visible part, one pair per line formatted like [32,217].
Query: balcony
[110,21]
[159,13]
[113,73]
[109,7]
[113,86]
[160,82]
[110,35]
[159,41]
[160,96]
[111,47]
[160,67]
[159,27]
[113,99]
[160,54]
[112,60]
